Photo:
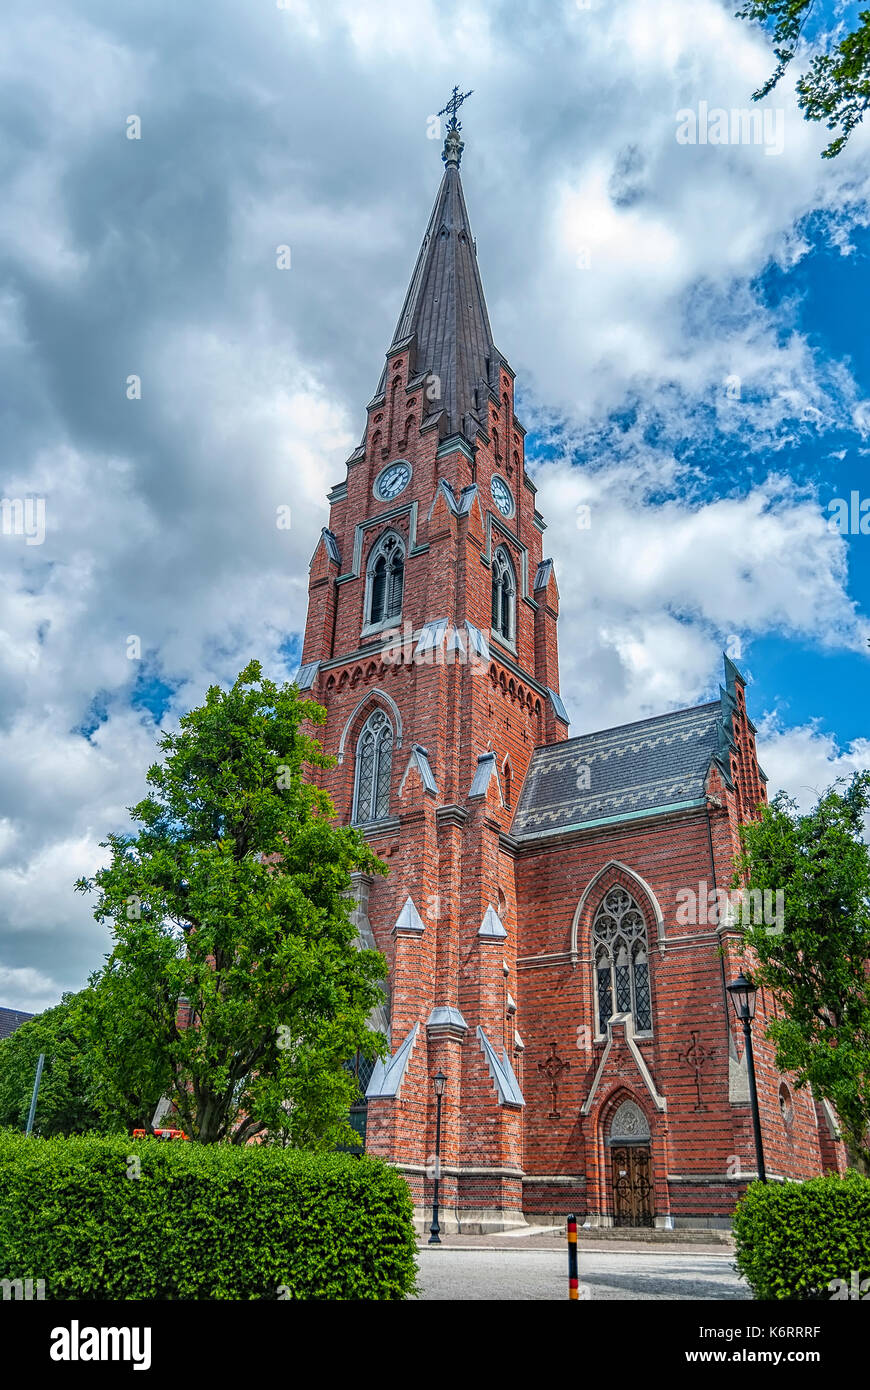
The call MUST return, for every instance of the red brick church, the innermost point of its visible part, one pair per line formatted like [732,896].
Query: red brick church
[546,915]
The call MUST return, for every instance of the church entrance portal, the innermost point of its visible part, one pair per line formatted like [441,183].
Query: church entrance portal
[630,1167]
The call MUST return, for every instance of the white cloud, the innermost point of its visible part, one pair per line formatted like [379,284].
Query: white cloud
[651,592]
[31,989]
[806,760]
[306,125]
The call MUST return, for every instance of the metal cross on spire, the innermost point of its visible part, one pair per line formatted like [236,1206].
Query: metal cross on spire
[453,106]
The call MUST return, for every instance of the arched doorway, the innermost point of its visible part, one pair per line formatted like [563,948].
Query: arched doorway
[628,1144]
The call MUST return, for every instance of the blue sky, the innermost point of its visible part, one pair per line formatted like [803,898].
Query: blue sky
[687,323]
[828,299]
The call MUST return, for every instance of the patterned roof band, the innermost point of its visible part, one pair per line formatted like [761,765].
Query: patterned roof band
[658,764]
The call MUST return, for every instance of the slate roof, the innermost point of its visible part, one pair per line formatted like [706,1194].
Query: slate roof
[542,575]
[10,1019]
[446,316]
[635,769]
[460,506]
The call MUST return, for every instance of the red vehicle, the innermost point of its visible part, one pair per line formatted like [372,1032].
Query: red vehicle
[162,1134]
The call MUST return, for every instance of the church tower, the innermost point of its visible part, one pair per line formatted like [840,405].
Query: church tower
[431,641]
[547,916]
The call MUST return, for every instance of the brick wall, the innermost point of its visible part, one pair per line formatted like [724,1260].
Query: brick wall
[453,855]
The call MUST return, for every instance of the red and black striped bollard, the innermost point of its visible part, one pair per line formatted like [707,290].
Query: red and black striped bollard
[573,1281]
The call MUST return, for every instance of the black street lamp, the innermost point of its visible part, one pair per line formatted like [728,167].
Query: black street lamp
[743,993]
[439,1081]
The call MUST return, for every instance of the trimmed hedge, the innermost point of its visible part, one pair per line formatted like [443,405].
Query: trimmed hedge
[795,1239]
[201,1221]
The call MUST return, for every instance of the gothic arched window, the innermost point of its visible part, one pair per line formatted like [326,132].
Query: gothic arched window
[621,961]
[374,762]
[386,579]
[504,589]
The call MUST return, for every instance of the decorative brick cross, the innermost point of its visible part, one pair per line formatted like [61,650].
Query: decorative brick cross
[552,1068]
[696,1057]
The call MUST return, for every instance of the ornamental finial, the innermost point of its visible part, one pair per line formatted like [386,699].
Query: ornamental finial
[453,145]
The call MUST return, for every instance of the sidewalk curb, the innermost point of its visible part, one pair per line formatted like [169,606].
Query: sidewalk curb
[591,1249]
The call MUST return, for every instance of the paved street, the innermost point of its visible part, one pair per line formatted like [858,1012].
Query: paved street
[521,1273]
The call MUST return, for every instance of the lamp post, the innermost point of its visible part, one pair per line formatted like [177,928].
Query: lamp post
[439,1081]
[35,1096]
[743,994]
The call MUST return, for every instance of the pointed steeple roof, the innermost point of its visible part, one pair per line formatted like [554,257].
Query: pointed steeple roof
[444,315]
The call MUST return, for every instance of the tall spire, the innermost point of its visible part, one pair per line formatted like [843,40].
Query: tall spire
[444,318]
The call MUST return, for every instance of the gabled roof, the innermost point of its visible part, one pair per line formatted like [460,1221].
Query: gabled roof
[640,769]
[306,675]
[542,575]
[10,1019]
[501,1071]
[330,540]
[616,774]
[444,315]
[460,506]
[388,1075]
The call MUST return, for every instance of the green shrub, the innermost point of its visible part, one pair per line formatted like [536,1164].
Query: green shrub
[795,1239]
[201,1221]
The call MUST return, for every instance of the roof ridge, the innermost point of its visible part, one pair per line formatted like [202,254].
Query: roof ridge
[632,724]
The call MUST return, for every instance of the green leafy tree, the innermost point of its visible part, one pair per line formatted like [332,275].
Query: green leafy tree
[818,965]
[65,1104]
[836,86]
[232,902]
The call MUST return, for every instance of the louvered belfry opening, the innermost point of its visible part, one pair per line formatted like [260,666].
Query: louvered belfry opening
[374,758]
[503,590]
[388,580]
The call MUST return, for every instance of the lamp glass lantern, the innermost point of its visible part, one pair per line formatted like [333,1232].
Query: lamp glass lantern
[439,1081]
[743,994]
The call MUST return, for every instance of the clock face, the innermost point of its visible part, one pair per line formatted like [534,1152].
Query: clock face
[392,481]
[501,496]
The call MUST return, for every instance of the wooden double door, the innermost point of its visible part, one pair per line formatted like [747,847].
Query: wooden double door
[631,1178]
